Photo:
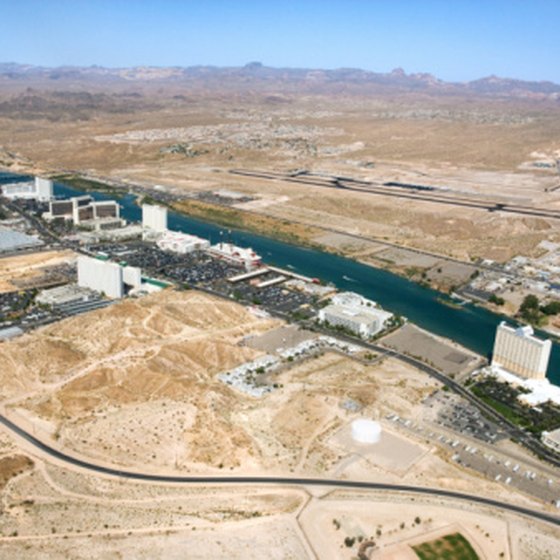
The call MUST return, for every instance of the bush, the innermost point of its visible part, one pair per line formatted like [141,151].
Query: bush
[552,308]
[496,300]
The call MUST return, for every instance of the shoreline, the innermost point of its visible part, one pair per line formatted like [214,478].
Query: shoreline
[279,229]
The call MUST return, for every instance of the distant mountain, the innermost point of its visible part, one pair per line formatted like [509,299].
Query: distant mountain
[257,77]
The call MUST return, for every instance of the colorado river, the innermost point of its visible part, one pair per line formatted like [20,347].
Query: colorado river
[472,326]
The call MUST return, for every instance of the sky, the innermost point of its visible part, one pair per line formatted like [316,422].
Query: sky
[456,40]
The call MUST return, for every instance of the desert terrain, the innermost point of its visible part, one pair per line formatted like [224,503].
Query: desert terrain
[135,386]
[19,271]
[494,141]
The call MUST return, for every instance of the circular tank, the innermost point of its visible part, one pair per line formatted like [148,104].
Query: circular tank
[366,431]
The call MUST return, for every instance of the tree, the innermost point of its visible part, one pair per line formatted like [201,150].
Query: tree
[551,308]
[530,302]
[529,309]
[496,300]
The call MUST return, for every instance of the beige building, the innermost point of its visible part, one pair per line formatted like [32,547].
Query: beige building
[552,439]
[521,353]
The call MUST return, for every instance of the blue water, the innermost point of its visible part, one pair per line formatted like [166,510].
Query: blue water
[473,327]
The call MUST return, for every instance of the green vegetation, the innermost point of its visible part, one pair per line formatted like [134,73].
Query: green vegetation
[496,300]
[503,399]
[552,308]
[84,184]
[530,311]
[412,271]
[249,221]
[449,547]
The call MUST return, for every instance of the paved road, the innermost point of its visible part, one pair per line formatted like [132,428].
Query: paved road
[513,431]
[285,481]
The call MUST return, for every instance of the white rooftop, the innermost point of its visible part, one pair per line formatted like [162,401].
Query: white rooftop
[11,240]
[541,390]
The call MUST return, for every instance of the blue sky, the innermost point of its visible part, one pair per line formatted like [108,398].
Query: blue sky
[453,39]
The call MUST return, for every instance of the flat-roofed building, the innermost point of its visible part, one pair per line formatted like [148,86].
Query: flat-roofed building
[10,332]
[181,243]
[11,240]
[355,313]
[67,208]
[44,189]
[360,322]
[132,276]
[95,210]
[516,350]
[552,439]
[86,212]
[237,255]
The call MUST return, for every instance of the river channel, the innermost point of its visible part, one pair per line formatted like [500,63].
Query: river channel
[470,325]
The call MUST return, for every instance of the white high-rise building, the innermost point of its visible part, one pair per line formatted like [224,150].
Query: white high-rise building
[41,190]
[101,276]
[154,217]
[521,353]
[44,189]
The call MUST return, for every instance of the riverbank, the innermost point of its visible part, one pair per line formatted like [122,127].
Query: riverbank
[434,271]
[228,217]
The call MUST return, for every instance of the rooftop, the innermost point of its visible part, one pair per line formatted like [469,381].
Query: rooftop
[11,240]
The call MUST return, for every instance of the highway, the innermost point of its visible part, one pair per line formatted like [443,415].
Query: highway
[272,480]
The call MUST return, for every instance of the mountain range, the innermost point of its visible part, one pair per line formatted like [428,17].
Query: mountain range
[257,77]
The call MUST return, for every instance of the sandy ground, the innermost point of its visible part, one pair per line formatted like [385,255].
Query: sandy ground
[29,266]
[476,148]
[134,385]
[443,355]
[394,524]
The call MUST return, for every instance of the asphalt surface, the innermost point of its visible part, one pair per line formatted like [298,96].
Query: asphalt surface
[381,189]
[285,481]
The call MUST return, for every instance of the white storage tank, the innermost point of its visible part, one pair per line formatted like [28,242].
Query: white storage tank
[366,431]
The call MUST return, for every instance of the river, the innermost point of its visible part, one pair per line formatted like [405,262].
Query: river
[470,325]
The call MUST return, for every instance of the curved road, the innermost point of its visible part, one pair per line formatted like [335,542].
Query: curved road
[287,481]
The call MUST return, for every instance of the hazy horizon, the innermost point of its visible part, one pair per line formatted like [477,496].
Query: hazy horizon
[457,42]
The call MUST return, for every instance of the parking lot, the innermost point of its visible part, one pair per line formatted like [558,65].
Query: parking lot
[199,269]
[485,458]
[18,309]
[455,413]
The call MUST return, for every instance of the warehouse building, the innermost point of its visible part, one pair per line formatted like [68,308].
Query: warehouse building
[11,240]
[519,352]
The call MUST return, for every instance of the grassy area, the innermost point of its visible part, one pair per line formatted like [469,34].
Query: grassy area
[256,223]
[449,547]
[84,184]
[505,410]
[503,398]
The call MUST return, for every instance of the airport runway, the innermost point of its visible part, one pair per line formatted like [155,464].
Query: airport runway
[411,192]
